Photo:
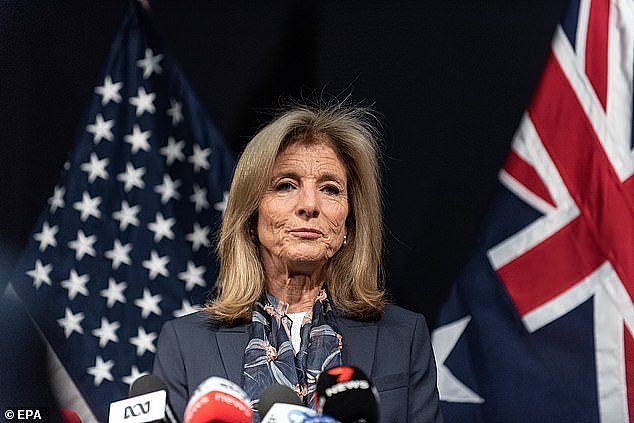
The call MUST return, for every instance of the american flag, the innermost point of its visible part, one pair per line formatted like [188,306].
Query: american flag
[539,326]
[124,242]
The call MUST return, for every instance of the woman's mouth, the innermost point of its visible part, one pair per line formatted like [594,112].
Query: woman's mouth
[307,233]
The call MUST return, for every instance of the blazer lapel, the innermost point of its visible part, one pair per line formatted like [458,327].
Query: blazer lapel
[359,341]
[232,341]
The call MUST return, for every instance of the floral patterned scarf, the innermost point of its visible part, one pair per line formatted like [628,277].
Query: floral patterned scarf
[269,357]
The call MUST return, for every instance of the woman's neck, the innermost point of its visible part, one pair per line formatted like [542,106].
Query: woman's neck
[298,291]
[297,284]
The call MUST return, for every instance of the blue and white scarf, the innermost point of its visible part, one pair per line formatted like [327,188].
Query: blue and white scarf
[269,357]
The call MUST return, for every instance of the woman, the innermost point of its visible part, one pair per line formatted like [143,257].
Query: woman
[299,282]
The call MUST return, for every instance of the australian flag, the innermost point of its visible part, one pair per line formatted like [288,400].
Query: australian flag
[124,242]
[539,325]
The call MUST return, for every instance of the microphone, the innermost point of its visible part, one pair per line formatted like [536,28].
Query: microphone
[346,393]
[290,413]
[147,402]
[69,416]
[218,400]
[276,394]
[147,384]
[280,404]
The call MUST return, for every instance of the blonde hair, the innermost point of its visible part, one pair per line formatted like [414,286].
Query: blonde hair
[354,274]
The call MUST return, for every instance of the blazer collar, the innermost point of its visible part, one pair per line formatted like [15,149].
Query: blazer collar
[232,341]
[359,341]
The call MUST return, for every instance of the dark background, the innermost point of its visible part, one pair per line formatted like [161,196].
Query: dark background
[450,80]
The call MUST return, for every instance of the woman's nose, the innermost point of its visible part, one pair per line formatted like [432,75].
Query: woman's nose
[308,203]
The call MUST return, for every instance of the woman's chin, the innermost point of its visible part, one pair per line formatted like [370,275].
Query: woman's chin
[306,262]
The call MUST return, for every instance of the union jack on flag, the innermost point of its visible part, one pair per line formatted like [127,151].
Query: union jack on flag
[124,243]
[539,326]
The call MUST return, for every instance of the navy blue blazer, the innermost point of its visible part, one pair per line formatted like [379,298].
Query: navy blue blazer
[394,351]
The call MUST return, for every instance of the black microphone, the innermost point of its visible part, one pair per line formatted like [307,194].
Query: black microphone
[147,401]
[348,395]
[276,394]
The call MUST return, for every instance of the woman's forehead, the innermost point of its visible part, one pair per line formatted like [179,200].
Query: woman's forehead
[312,157]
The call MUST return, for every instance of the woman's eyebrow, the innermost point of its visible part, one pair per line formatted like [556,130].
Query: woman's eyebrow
[328,176]
[286,174]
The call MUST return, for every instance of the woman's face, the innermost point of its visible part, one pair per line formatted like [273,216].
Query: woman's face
[301,218]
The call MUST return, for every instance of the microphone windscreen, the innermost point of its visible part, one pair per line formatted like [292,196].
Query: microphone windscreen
[146,384]
[69,416]
[346,393]
[276,394]
[218,400]
[149,383]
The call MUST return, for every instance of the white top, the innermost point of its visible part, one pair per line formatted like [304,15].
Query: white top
[296,335]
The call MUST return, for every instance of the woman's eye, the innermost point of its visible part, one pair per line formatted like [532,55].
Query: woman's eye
[283,186]
[331,189]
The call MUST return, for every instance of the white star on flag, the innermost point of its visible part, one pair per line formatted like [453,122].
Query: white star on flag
[138,139]
[57,200]
[41,274]
[199,158]
[47,236]
[132,177]
[76,284]
[168,189]
[156,265]
[144,102]
[101,129]
[199,197]
[199,236]
[173,151]
[150,63]
[186,308]
[101,370]
[443,341]
[143,341]
[114,292]
[175,111]
[162,227]
[119,254]
[126,215]
[222,205]
[71,322]
[106,332]
[149,303]
[88,206]
[83,245]
[95,168]
[193,276]
[134,375]
[109,91]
